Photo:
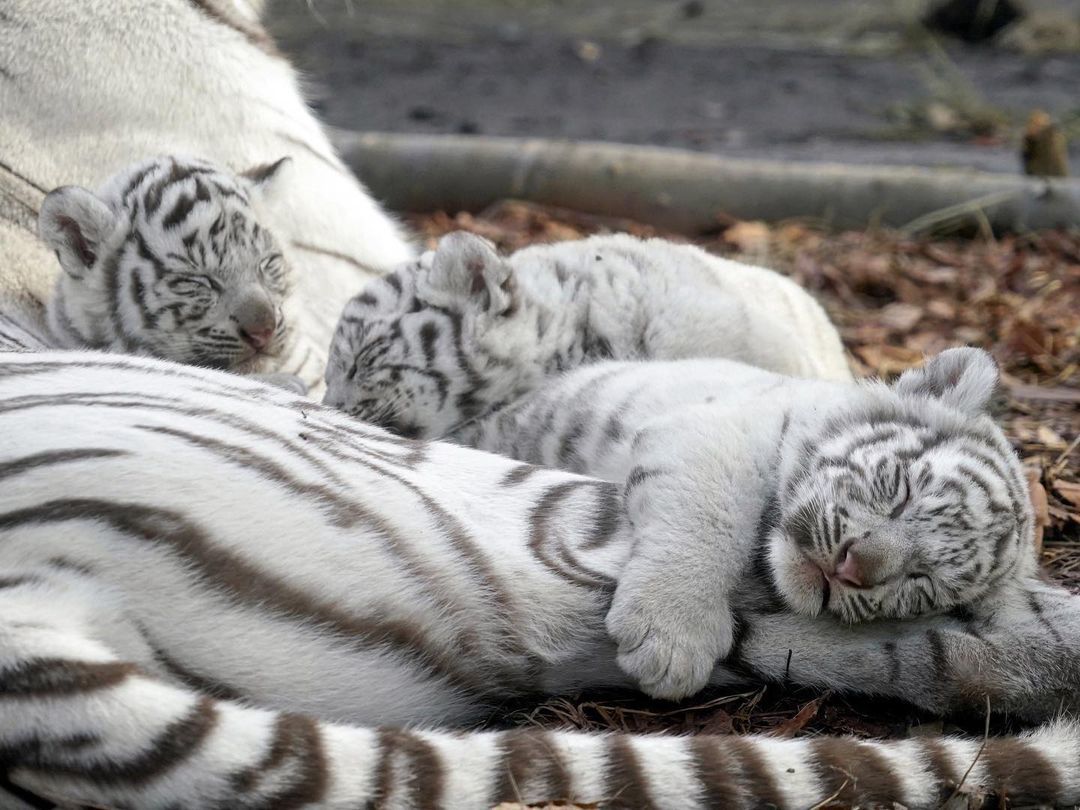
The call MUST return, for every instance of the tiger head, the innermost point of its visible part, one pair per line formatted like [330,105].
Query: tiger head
[436,344]
[169,260]
[908,501]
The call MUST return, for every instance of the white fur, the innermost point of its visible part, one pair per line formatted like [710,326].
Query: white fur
[280,535]
[692,303]
[88,87]
[552,308]
[905,480]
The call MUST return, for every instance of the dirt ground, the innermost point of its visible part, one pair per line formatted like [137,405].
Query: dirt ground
[788,79]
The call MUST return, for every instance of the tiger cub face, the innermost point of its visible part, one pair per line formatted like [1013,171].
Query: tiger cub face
[437,343]
[913,502]
[169,260]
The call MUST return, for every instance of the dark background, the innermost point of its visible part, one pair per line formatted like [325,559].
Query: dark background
[835,80]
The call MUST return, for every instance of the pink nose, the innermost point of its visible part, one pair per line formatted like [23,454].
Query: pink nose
[848,570]
[257,338]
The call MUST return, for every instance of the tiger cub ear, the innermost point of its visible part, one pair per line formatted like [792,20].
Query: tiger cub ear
[263,178]
[74,223]
[465,270]
[965,379]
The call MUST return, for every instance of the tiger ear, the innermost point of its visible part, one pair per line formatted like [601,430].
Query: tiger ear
[465,269]
[263,178]
[965,379]
[74,223]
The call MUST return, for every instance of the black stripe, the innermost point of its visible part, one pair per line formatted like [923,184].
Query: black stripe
[627,784]
[9,469]
[180,210]
[50,677]
[241,582]
[553,555]
[531,769]
[297,749]
[421,778]
[179,741]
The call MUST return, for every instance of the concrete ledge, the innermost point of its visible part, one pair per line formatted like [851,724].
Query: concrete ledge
[686,191]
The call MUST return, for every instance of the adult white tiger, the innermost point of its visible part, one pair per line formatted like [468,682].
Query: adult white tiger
[188,558]
[88,87]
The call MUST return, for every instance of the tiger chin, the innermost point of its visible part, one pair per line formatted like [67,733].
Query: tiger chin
[168,259]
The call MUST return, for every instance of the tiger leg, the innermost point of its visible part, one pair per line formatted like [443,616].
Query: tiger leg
[1019,649]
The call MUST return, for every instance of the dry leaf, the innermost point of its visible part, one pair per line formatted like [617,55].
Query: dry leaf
[901,317]
[789,728]
[889,360]
[748,237]
[1047,437]
[1068,490]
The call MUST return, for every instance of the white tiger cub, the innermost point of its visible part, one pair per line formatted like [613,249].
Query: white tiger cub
[548,308]
[217,595]
[86,87]
[896,501]
[168,259]
[864,501]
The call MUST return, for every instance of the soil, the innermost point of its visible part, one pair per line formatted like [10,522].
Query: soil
[785,79]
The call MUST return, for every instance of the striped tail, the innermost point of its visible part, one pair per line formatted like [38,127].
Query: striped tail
[100,732]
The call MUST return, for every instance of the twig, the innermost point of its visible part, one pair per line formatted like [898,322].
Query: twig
[825,802]
[986,739]
[976,207]
[1059,463]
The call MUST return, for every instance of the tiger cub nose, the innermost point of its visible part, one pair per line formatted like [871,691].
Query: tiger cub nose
[258,338]
[849,570]
[255,321]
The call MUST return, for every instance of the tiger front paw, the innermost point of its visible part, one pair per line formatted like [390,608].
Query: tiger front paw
[668,642]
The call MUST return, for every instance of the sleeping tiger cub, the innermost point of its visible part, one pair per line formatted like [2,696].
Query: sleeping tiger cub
[893,502]
[214,594]
[169,260]
[474,331]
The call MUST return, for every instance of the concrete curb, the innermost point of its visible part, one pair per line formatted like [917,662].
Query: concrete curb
[689,191]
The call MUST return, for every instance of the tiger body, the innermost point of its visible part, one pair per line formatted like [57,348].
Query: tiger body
[216,594]
[884,501]
[462,332]
[88,87]
[909,499]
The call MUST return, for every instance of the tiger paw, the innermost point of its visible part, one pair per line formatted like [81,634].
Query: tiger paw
[667,641]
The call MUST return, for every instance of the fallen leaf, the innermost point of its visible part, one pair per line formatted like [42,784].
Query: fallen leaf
[901,317]
[889,359]
[1046,436]
[1069,490]
[789,728]
[748,237]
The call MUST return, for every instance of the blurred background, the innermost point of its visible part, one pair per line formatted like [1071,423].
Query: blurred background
[886,81]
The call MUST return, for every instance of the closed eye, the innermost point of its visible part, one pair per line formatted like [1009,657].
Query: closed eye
[900,507]
[189,284]
[270,269]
